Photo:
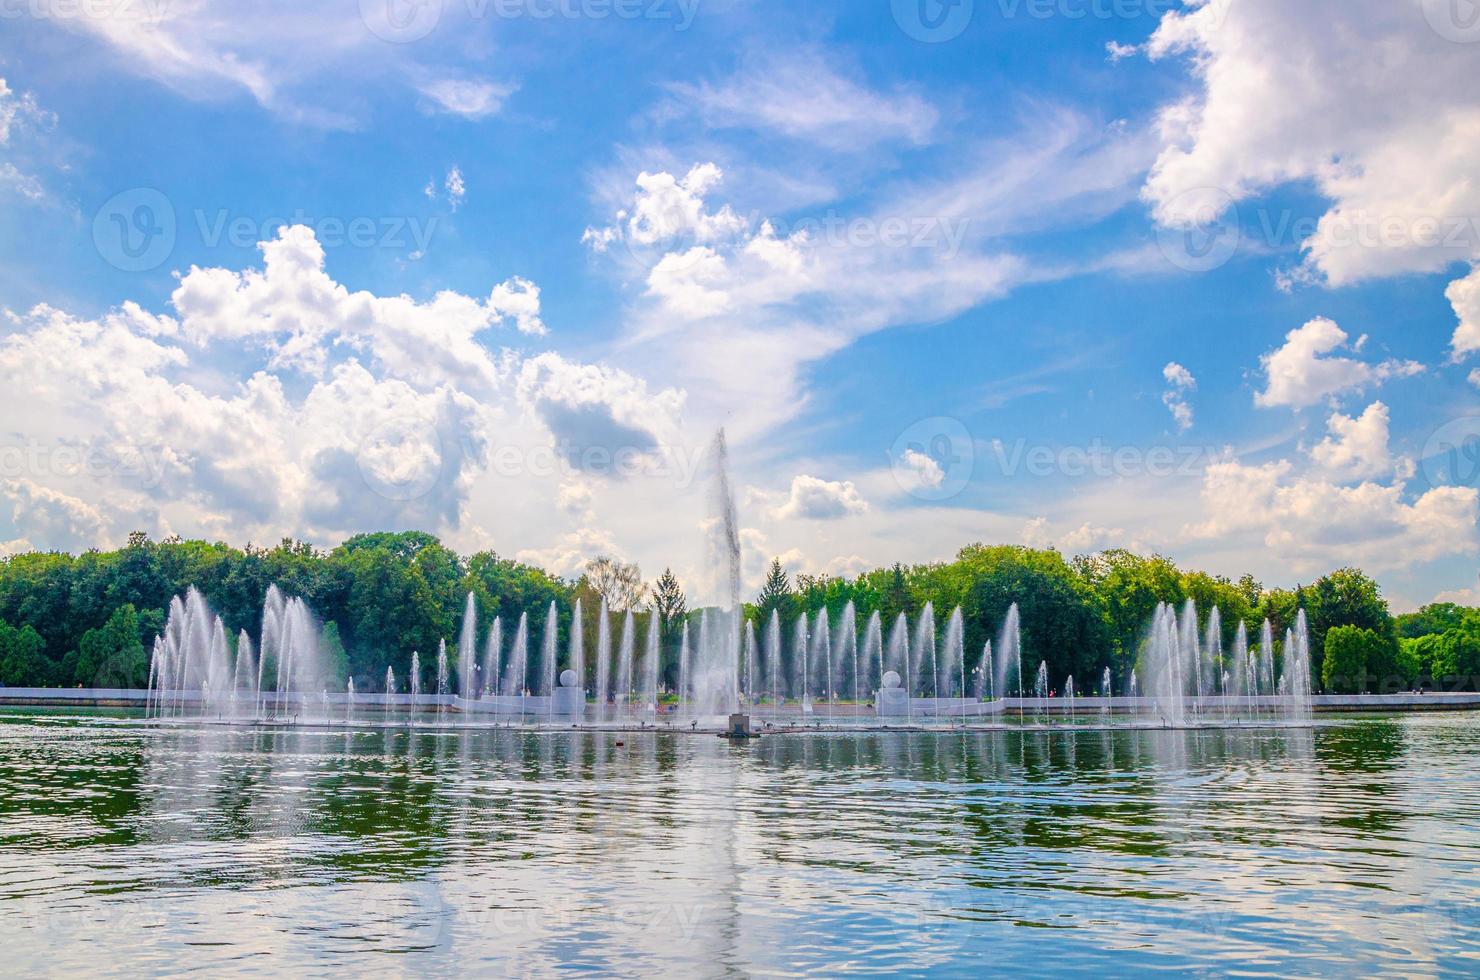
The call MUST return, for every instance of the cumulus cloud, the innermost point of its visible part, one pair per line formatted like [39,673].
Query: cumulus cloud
[602,418]
[518,299]
[294,311]
[52,520]
[923,470]
[1357,448]
[1180,383]
[1464,296]
[1306,519]
[1377,111]
[1303,372]
[569,554]
[815,499]
[1085,539]
[277,402]
[669,208]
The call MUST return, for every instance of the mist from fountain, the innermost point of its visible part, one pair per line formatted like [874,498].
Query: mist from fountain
[492,652]
[625,652]
[873,654]
[1187,677]
[517,671]
[924,641]
[953,660]
[549,653]
[899,657]
[848,647]
[467,649]
[773,658]
[578,647]
[820,649]
[799,663]
[748,682]
[1009,663]
[651,662]
[603,656]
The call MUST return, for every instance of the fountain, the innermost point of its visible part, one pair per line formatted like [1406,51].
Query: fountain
[467,649]
[1188,682]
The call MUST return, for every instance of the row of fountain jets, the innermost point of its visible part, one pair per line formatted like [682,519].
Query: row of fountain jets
[1183,674]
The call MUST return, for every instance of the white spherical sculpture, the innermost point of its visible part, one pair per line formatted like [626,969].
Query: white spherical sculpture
[891,679]
[568,679]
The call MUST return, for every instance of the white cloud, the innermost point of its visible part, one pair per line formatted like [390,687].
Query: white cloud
[683,281]
[1310,521]
[520,299]
[456,188]
[803,97]
[1085,539]
[924,470]
[569,555]
[300,316]
[51,520]
[18,108]
[1475,377]
[309,63]
[1376,110]
[1357,448]
[847,566]
[815,499]
[278,402]
[669,208]
[601,418]
[470,98]
[1181,382]
[1302,372]
[1464,296]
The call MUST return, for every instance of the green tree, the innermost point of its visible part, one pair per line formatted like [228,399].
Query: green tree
[776,595]
[23,660]
[113,654]
[1351,652]
[1456,660]
[1348,597]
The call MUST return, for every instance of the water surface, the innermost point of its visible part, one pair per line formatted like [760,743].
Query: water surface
[126,849]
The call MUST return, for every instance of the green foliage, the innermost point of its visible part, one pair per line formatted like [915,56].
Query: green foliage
[80,618]
[336,660]
[670,605]
[1355,659]
[22,658]
[1440,617]
[1456,659]
[113,654]
[776,595]
[1348,597]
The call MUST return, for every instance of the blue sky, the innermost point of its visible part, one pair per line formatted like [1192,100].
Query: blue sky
[386,264]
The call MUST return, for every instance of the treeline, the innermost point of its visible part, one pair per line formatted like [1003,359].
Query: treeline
[89,619]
